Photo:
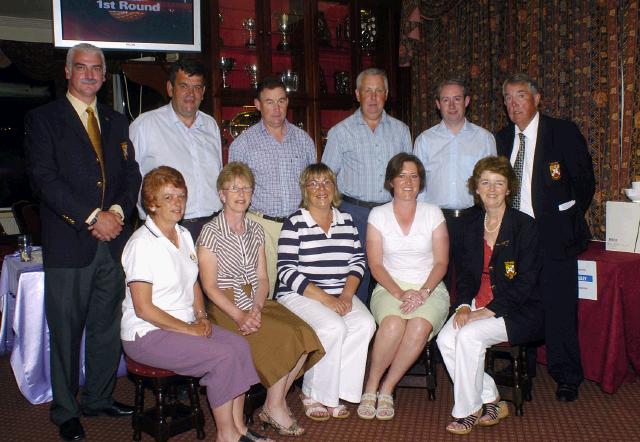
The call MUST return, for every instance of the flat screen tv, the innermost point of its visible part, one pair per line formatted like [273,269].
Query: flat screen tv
[137,25]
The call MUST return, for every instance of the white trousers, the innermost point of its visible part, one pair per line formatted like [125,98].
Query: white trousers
[463,350]
[340,373]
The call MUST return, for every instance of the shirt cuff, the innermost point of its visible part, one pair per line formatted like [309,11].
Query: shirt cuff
[90,217]
[118,210]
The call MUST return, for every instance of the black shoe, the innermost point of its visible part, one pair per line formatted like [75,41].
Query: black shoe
[72,430]
[116,409]
[567,392]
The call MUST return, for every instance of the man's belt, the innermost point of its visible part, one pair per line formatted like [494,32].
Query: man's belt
[456,213]
[202,218]
[276,219]
[357,202]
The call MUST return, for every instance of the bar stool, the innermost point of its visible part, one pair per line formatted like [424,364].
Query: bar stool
[168,417]
[514,384]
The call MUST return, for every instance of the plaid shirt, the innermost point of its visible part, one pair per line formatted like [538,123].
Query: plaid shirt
[359,156]
[276,166]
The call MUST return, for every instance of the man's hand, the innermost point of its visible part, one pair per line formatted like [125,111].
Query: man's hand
[107,227]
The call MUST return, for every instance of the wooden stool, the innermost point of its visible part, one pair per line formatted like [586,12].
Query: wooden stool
[424,367]
[514,385]
[168,417]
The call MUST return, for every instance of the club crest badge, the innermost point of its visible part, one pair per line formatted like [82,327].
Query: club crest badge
[125,150]
[510,269]
[554,169]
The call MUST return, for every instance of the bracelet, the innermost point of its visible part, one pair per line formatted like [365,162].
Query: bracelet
[462,305]
[428,291]
[204,314]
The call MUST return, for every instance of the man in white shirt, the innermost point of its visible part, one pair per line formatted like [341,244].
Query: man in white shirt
[448,151]
[181,136]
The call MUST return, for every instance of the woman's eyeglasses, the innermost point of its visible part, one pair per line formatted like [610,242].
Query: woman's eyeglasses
[315,185]
[239,189]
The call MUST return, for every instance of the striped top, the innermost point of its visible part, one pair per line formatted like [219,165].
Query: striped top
[307,254]
[237,256]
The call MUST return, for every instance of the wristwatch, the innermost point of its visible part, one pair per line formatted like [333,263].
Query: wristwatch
[93,220]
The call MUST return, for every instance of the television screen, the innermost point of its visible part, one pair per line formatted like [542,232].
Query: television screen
[151,25]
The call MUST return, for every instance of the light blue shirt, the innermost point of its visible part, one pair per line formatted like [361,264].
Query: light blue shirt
[449,159]
[359,156]
[276,166]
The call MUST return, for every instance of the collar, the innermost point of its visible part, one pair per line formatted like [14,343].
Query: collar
[265,131]
[531,129]
[384,118]
[336,215]
[155,231]
[173,116]
[224,225]
[80,106]
[442,127]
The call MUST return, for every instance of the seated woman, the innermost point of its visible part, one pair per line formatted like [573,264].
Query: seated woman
[234,276]
[320,264]
[496,298]
[408,253]
[164,323]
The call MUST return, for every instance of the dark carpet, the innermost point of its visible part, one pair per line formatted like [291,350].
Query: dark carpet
[596,416]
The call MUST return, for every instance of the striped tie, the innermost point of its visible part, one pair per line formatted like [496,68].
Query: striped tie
[518,167]
[94,133]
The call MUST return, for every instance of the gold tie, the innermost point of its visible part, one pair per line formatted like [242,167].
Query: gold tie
[94,133]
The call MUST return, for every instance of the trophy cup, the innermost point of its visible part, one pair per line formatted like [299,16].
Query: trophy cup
[252,71]
[226,64]
[249,25]
[290,80]
[284,26]
[342,82]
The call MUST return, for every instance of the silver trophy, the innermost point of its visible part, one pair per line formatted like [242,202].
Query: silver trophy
[249,25]
[252,71]
[284,26]
[226,64]
[290,80]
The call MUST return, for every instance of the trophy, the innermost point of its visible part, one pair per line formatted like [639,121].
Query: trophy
[252,71]
[322,29]
[226,64]
[290,80]
[284,26]
[249,25]
[342,82]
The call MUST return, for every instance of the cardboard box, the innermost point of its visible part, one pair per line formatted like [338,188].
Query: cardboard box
[623,226]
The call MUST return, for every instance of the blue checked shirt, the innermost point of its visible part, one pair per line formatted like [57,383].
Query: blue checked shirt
[449,159]
[276,166]
[359,156]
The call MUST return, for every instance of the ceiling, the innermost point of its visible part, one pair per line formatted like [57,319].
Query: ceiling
[26,21]
[27,9]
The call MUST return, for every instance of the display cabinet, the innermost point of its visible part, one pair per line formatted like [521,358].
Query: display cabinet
[317,47]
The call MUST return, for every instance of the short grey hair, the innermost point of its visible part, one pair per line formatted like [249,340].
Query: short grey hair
[373,72]
[520,78]
[85,47]
[452,82]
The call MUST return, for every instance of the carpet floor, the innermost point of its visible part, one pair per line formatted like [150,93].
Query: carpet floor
[596,416]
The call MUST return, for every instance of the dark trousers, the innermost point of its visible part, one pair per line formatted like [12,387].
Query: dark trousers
[559,287]
[76,299]
[360,217]
[195,225]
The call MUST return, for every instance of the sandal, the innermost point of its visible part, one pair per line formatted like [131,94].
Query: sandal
[314,410]
[467,424]
[251,435]
[493,413]
[385,409]
[367,407]
[339,412]
[292,430]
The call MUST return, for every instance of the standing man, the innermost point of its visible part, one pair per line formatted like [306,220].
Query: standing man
[358,150]
[181,136]
[551,159]
[82,167]
[449,151]
[277,152]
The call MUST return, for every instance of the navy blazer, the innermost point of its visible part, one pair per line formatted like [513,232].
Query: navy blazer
[514,270]
[65,174]
[562,172]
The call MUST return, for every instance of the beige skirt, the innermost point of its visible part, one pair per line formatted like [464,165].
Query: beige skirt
[277,346]
[435,309]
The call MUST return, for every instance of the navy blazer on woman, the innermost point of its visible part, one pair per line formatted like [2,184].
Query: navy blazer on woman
[514,270]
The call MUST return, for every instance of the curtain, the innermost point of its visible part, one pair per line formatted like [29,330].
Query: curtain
[584,55]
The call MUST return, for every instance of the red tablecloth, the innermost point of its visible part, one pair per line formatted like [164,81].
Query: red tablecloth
[609,328]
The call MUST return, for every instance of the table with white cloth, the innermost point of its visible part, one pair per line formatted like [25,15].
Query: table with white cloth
[25,331]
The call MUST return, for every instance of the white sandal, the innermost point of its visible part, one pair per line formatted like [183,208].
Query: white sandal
[339,412]
[367,407]
[385,409]
[312,406]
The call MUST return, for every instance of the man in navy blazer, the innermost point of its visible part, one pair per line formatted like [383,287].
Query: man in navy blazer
[87,189]
[557,187]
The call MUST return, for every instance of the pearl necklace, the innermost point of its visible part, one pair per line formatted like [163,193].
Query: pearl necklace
[494,229]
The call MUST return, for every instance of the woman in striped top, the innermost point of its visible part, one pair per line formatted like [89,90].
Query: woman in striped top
[320,264]
[234,276]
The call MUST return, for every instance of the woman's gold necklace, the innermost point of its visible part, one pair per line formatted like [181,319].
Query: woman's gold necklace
[487,228]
